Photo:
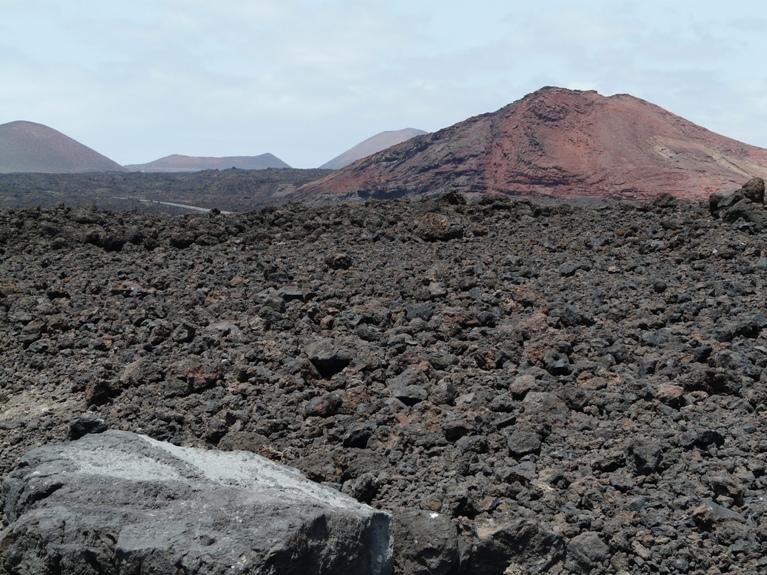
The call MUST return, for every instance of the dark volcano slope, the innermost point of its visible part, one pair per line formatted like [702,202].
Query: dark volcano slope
[577,390]
[228,190]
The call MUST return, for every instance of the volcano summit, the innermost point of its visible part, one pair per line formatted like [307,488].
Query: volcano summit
[558,142]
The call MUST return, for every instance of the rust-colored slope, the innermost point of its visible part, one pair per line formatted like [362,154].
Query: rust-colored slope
[31,147]
[557,142]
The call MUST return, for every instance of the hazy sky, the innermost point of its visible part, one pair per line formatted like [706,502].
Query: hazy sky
[306,79]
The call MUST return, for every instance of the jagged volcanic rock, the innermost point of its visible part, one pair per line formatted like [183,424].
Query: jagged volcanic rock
[31,147]
[558,142]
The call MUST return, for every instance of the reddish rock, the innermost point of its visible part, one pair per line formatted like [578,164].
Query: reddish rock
[558,142]
[670,394]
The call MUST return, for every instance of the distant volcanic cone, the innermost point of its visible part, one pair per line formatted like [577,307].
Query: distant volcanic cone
[180,163]
[371,146]
[31,147]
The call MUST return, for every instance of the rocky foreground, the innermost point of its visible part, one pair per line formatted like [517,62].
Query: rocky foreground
[576,389]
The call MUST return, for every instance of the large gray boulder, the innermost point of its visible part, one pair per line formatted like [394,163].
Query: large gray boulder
[122,503]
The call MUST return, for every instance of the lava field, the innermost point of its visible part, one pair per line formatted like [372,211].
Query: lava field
[573,389]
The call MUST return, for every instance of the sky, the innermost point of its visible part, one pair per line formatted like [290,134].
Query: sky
[307,79]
